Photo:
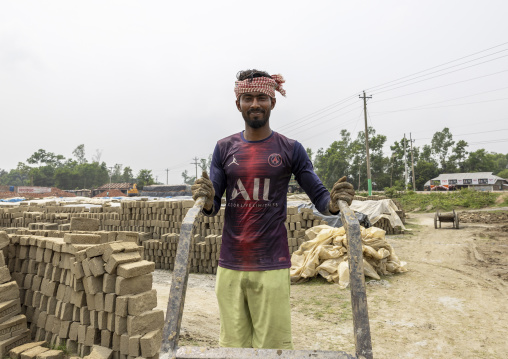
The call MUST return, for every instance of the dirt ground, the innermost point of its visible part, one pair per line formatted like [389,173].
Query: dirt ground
[451,304]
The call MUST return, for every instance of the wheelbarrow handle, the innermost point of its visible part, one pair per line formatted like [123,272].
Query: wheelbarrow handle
[171,331]
[361,324]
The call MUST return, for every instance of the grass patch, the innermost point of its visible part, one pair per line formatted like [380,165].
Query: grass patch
[446,201]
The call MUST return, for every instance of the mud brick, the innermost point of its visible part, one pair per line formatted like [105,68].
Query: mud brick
[36,283]
[4,239]
[145,322]
[85,316]
[72,347]
[15,353]
[40,334]
[150,343]
[67,294]
[109,302]
[93,285]
[135,285]
[60,292]
[100,352]
[142,302]
[96,251]
[110,322]
[5,275]
[28,297]
[134,345]
[99,301]
[19,278]
[9,291]
[80,255]
[93,336]
[48,255]
[56,259]
[76,316]
[9,309]
[118,247]
[44,302]
[102,322]
[33,352]
[90,301]
[65,326]
[66,311]
[77,238]
[56,325]
[122,306]
[77,285]
[115,342]
[124,344]
[84,224]
[51,354]
[51,307]
[85,264]
[135,269]
[96,266]
[106,338]
[119,258]
[82,334]
[78,298]
[93,318]
[73,331]
[49,323]
[55,275]
[29,314]
[120,325]
[41,322]
[108,283]
[48,287]
[77,270]
[12,327]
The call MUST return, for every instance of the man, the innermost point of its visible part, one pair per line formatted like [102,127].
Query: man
[254,168]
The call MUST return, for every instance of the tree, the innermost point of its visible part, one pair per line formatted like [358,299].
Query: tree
[49,158]
[116,175]
[309,153]
[127,175]
[97,156]
[479,161]
[441,144]
[145,178]
[457,158]
[188,179]
[79,153]
[503,173]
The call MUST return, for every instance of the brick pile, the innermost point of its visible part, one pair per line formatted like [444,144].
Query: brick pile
[86,289]
[13,325]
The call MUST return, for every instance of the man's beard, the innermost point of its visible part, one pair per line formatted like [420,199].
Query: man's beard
[259,122]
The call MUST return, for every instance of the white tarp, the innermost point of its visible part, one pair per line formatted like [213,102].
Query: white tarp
[376,210]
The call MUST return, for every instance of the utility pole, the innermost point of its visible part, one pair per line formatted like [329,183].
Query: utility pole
[196,163]
[405,164]
[167,174]
[110,174]
[412,163]
[369,179]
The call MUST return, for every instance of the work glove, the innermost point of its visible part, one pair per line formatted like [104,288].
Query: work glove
[341,190]
[203,187]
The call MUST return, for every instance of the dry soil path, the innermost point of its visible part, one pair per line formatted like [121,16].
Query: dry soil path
[451,304]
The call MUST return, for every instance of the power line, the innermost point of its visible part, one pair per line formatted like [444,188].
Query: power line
[434,67]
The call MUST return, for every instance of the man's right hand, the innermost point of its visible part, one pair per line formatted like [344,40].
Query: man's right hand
[203,187]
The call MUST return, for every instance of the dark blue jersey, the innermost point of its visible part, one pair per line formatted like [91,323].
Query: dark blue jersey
[255,176]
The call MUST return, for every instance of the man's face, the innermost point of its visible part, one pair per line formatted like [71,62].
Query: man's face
[255,108]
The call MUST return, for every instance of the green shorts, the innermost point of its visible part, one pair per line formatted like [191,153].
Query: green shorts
[254,308]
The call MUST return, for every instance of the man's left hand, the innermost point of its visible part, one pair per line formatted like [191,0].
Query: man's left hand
[341,190]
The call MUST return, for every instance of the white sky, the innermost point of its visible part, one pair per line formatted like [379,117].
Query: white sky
[150,83]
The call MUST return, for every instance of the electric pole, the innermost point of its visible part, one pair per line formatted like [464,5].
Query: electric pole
[167,174]
[405,164]
[412,163]
[196,163]
[110,174]
[369,179]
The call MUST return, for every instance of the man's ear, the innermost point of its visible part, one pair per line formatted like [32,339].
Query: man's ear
[238,103]
[274,101]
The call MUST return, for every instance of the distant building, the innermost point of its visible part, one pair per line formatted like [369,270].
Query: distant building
[479,181]
[122,187]
[80,192]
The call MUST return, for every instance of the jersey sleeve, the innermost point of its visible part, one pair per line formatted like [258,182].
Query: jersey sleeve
[307,179]
[218,178]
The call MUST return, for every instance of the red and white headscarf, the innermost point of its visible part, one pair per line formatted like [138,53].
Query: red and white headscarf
[264,85]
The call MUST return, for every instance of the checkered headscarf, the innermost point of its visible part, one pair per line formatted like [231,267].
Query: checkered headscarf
[264,85]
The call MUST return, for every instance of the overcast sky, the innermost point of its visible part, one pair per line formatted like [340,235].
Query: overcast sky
[150,83]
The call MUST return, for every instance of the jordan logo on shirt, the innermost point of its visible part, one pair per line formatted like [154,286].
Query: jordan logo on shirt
[234,162]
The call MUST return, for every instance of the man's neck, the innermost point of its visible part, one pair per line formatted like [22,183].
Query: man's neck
[257,134]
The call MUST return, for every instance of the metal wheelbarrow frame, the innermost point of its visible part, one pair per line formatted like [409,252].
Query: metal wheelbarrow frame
[171,332]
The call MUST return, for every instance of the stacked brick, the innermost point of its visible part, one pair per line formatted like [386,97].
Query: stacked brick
[84,290]
[13,325]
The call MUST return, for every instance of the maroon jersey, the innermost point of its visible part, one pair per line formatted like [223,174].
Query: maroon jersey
[255,176]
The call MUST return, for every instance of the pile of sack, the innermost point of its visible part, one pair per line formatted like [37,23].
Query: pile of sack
[325,252]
